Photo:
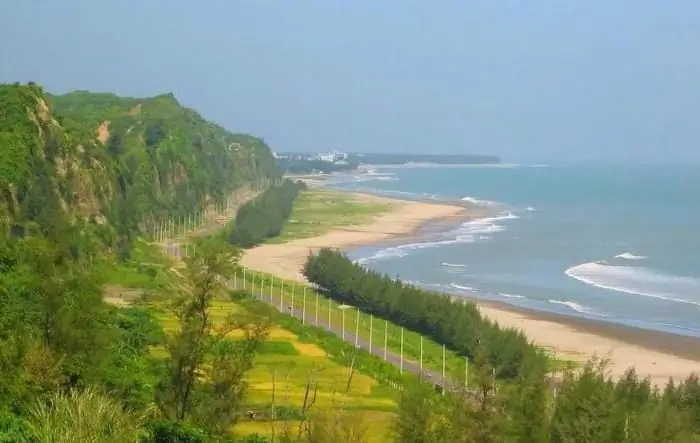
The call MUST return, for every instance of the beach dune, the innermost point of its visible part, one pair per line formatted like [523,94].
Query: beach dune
[659,356]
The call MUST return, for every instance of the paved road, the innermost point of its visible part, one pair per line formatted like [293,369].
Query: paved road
[377,348]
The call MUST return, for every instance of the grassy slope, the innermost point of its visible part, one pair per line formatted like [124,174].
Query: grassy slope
[293,358]
[317,211]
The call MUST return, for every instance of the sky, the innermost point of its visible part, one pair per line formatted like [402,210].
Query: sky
[526,80]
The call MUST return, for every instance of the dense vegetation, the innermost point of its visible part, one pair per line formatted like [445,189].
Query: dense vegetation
[458,325]
[440,159]
[587,407]
[77,369]
[264,217]
[118,165]
[81,177]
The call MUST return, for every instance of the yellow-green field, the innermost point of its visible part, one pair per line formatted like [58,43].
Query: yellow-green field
[317,211]
[290,362]
[432,352]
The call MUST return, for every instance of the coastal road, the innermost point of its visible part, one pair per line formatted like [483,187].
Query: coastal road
[309,319]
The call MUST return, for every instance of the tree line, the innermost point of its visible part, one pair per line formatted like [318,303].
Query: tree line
[526,405]
[587,406]
[457,324]
[264,217]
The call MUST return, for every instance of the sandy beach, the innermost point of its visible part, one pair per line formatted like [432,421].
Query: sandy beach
[655,354]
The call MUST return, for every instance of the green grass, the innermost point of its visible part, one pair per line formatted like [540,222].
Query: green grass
[432,351]
[317,211]
[146,269]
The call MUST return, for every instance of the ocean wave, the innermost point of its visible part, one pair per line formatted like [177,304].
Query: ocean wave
[403,250]
[461,287]
[638,281]
[630,256]
[530,209]
[486,225]
[453,265]
[479,202]
[578,308]
[518,296]
[468,232]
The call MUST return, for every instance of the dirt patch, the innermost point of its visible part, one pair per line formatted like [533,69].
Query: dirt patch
[119,295]
[135,110]
[103,132]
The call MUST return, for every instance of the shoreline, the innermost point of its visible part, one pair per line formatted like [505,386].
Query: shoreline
[656,354]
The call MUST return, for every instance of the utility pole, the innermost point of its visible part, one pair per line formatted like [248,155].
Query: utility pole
[401,368]
[386,335]
[466,373]
[303,306]
[293,287]
[444,386]
[421,357]
[371,318]
[282,296]
[357,328]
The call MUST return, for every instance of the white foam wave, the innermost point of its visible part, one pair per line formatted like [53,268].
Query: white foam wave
[479,202]
[468,232]
[638,281]
[403,250]
[530,209]
[461,288]
[630,256]
[453,265]
[503,294]
[487,225]
[577,307]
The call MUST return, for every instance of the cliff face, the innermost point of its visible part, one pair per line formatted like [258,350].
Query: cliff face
[118,162]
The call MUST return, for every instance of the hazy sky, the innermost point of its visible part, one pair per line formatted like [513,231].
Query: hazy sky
[527,80]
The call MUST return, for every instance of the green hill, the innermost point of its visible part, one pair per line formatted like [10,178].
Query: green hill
[118,163]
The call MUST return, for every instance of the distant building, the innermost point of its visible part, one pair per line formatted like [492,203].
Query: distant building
[332,157]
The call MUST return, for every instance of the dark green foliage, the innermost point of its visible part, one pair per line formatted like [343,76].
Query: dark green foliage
[174,432]
[264,217]
[135,162]
[458,325]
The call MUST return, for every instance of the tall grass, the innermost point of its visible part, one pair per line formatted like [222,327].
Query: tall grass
[85,416]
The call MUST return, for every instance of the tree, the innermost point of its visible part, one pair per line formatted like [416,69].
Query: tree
[205,373]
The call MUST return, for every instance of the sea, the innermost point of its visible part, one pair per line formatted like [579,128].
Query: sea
[617,243]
